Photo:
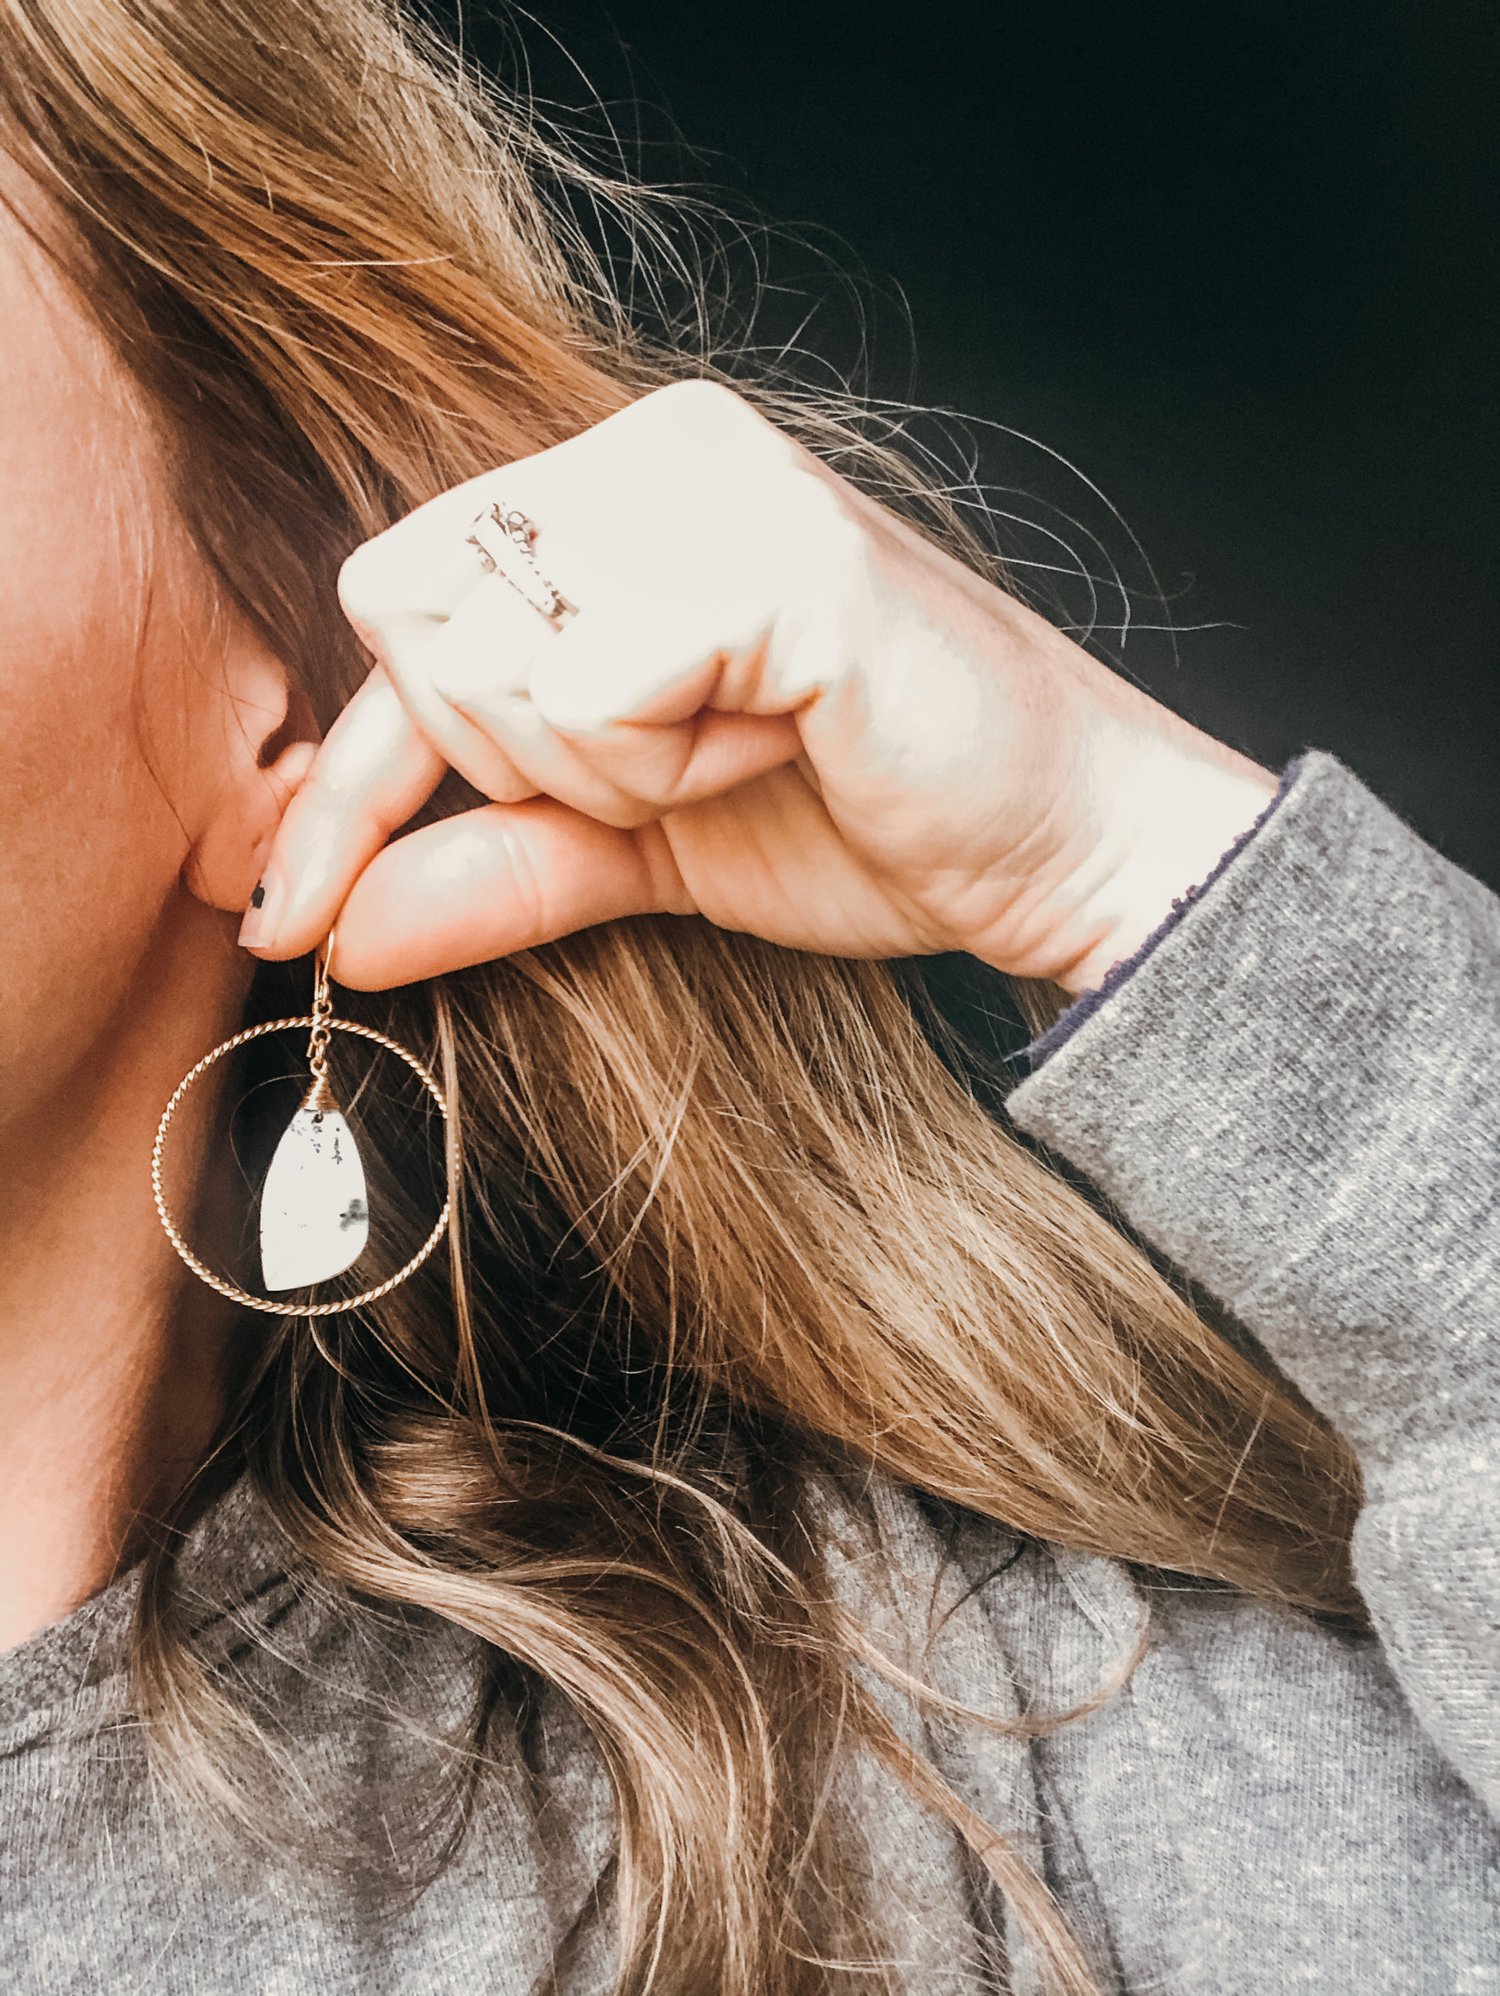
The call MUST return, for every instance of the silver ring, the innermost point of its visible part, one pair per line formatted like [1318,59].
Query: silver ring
[500,533]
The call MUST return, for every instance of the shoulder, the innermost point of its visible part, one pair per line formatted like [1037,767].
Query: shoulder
[1024,1625]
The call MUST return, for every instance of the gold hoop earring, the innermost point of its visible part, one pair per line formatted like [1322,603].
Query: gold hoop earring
[314,1214]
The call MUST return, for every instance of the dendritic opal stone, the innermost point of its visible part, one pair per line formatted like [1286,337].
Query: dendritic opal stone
[314,1220]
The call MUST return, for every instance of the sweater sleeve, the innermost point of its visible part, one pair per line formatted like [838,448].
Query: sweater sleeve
[1296,1097]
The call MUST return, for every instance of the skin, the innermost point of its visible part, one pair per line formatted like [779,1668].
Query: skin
[688,749]
[781,708]
[122,894]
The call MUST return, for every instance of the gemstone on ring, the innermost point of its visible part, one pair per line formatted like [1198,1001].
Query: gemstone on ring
[517,530]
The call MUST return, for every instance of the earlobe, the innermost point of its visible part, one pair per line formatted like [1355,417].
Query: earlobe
[226,861]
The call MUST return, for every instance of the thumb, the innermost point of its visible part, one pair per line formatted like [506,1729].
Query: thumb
[500,878]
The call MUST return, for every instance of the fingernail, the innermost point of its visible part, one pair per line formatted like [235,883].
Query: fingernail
[259,924]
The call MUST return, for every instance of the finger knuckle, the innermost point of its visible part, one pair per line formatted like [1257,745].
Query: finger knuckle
[524,881]
[364,584]
[609,803]
[702,394]
[702,405]
[825,529]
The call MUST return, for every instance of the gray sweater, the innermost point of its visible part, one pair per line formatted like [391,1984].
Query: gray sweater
[1296,1096]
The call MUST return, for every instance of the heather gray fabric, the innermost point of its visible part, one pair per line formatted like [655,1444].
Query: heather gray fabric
[1294,1095]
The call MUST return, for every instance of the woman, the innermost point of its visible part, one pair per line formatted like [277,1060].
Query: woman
[807,1531]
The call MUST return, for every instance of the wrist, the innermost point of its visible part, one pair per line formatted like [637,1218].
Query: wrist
[1185,816]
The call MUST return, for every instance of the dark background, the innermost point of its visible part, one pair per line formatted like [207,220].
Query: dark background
[1235,263]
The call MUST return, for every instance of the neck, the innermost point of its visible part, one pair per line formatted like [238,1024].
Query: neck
[114,1357]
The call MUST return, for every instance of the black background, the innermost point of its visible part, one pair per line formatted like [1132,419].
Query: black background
[1233,262]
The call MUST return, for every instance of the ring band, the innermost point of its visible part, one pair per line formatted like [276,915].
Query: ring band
[500,533]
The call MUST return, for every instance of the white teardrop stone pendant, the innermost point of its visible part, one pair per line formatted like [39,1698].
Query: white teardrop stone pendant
[314,1219]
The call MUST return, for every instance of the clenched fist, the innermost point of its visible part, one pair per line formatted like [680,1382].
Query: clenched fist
[777,706]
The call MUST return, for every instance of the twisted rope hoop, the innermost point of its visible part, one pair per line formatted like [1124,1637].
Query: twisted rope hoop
[230,1289]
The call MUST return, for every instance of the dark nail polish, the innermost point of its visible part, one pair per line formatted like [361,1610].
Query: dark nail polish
[259,924]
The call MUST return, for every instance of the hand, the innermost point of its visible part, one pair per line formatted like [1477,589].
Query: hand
[778,706]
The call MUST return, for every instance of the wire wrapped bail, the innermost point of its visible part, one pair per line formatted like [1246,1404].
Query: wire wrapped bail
[319,1096]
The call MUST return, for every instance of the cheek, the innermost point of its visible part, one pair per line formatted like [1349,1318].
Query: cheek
[96,688]
[89,846]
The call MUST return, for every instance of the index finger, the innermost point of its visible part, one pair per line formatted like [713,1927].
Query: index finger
[373,770]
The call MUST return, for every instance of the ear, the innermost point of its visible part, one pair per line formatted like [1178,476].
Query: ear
[251,779]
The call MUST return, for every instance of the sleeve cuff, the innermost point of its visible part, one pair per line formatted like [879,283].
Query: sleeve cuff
[1088,1002]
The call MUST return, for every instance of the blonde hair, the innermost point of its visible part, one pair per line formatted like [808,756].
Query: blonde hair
[729,1214]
